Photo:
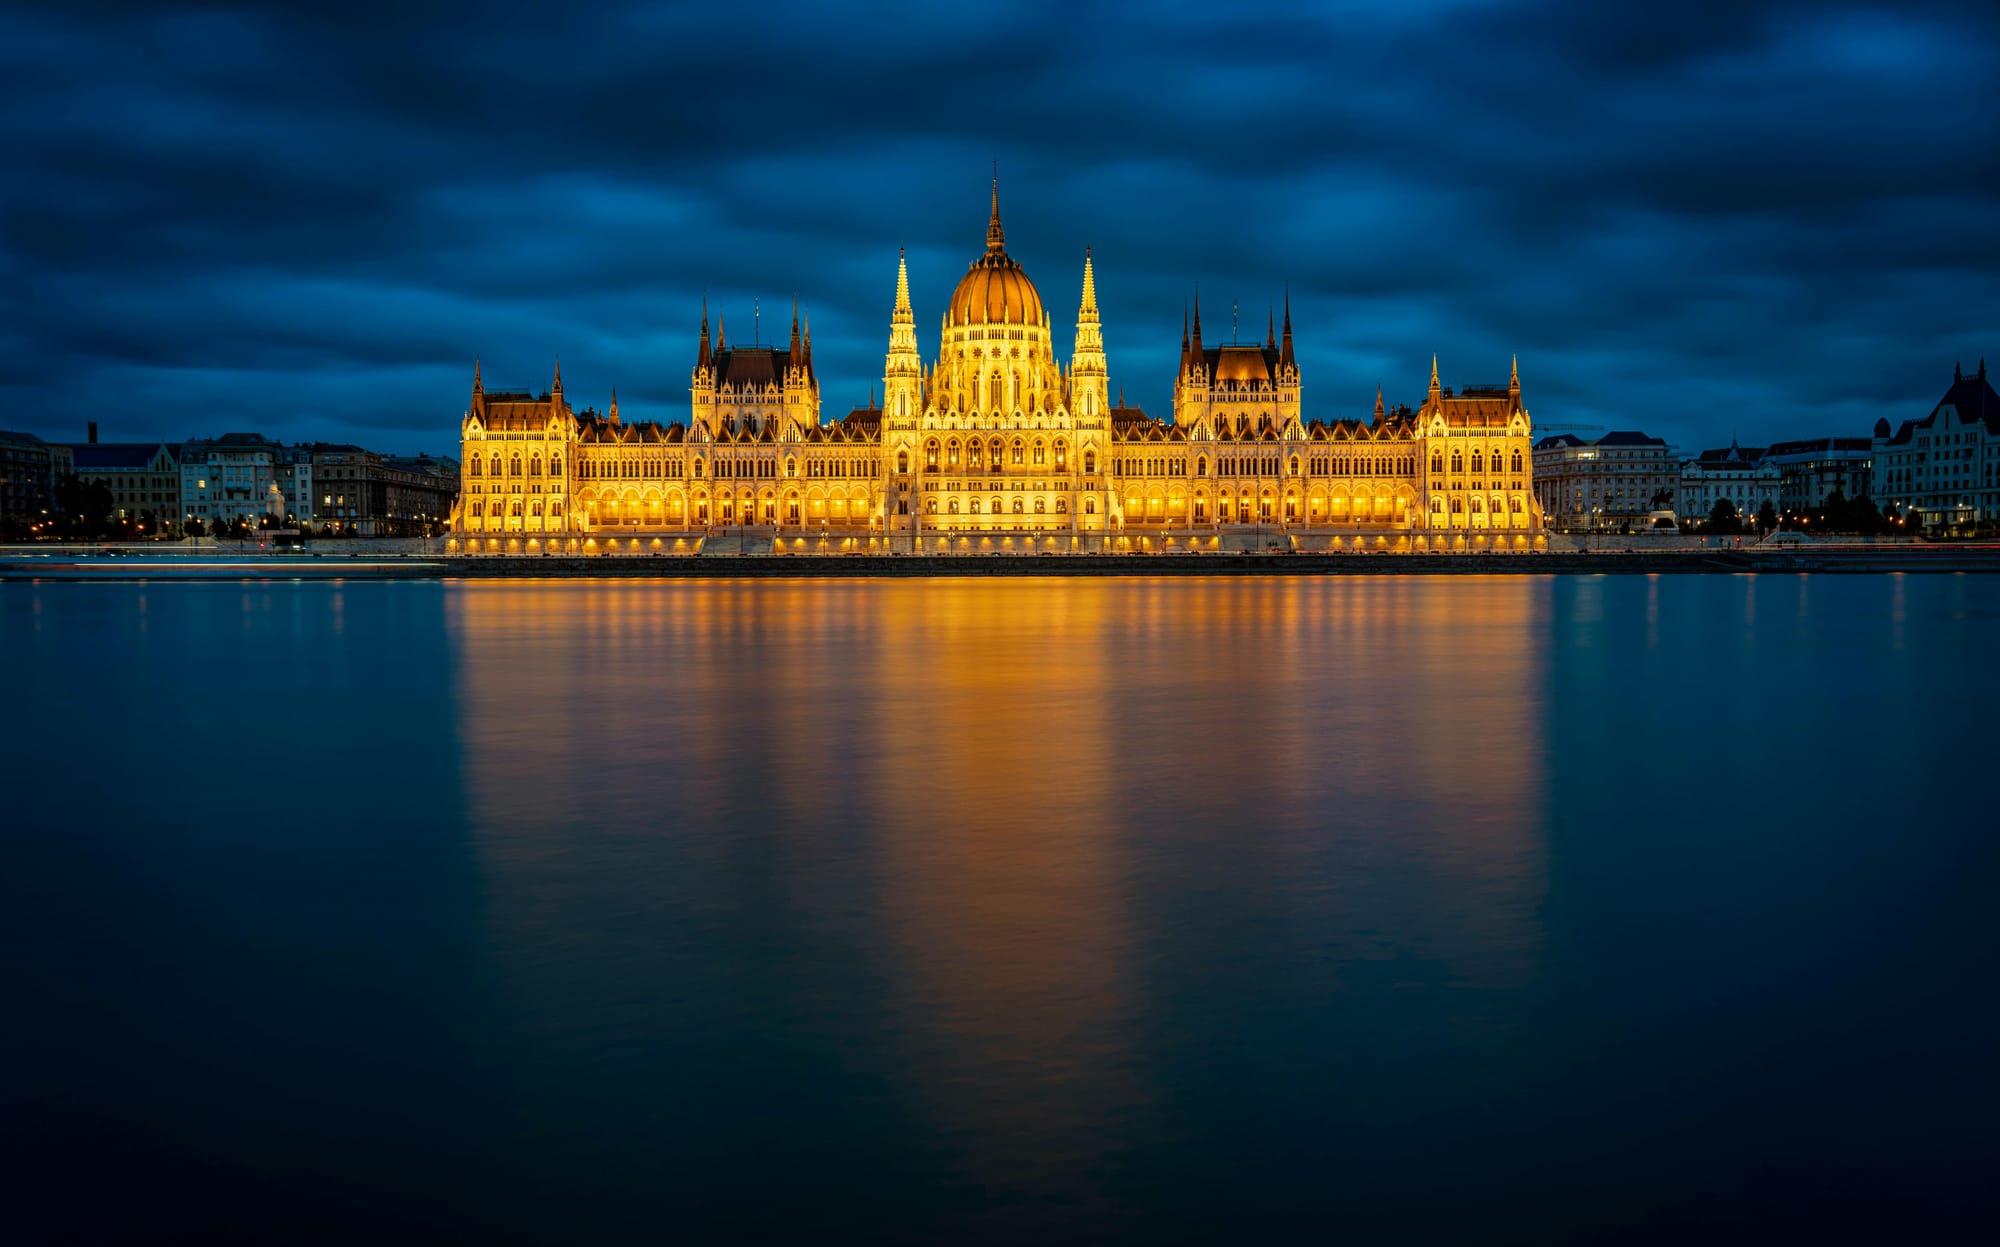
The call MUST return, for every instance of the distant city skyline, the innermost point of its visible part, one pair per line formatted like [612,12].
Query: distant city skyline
[1730,220]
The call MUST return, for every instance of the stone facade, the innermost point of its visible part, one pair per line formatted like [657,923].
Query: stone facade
[996,441]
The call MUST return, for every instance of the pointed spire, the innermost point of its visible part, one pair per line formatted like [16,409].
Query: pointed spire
[477,387]
[721,334]
[1089,285]
[1285,358]
[809,342]
[614,404]
[1121,393]
[1982,368]
[1514,379]
[1184,340]
[1434,374]
[996,239]
[1379,409]
[702,357]
[798,348]
[1957,371]
[1270,328]
[1194,346]
[903,286]
[556,388]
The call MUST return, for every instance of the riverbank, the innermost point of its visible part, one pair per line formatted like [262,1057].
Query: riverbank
[357,566]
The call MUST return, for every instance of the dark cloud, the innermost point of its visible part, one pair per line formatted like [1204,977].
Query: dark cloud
[1768,219]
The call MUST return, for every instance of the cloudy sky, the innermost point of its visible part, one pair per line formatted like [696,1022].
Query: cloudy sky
[309,219]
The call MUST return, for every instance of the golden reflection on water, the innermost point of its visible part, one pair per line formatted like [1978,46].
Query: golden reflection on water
[1017,795]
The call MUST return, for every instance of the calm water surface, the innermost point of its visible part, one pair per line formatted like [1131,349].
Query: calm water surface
[1512,909]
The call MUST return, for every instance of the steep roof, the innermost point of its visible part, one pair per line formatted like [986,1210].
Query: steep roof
[1974,399]
[106,456]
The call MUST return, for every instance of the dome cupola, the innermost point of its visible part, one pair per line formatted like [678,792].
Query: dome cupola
[994,291]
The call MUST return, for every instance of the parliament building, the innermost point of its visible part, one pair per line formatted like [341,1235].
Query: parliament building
[997,446]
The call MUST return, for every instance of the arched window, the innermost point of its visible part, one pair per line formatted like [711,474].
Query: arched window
[474,465]
[974,452]
[996,506]
[555,465]
[514,466]
[999,453]
[494,470]
[1477,462]
[902,461]
[1019,506]
[1062,506]
[698,467]
[951,453]
[973,506]
[1201,466]
[535,508]
[1295,465]
[1062,454]
[791,467]
[930,506]
[1090,461]
[1457,506]
[1020,450]
[516,510]
[478,508]
[1039,458]
[1090,504]
[555,508]
[1041,506]
[1517,461]
[534,465]
[1457,461]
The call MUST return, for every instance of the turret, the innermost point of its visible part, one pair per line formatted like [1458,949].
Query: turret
[797,354]
[1194,345]
[1087,365]
[1285,360]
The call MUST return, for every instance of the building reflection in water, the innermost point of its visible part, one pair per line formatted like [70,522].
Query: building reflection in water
[1017,854]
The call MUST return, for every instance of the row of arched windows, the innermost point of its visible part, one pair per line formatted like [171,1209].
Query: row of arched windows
[513,466]
[1041,506]
[1478,461]
[977,454]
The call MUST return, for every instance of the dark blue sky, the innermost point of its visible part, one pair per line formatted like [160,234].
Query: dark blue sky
[309,219]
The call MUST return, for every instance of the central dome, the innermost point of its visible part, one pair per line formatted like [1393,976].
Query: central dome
[994,291]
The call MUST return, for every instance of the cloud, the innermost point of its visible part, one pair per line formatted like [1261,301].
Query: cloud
[1763,218]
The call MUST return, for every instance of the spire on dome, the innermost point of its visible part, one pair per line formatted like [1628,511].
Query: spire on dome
[996,239]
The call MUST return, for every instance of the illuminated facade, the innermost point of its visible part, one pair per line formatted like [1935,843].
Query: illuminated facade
[996,441]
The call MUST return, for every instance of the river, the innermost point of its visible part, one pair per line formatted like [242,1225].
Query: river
[1102,909]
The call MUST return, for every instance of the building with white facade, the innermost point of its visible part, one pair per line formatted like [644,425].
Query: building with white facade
[1605,485]
[1945,467]
[1743,476]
